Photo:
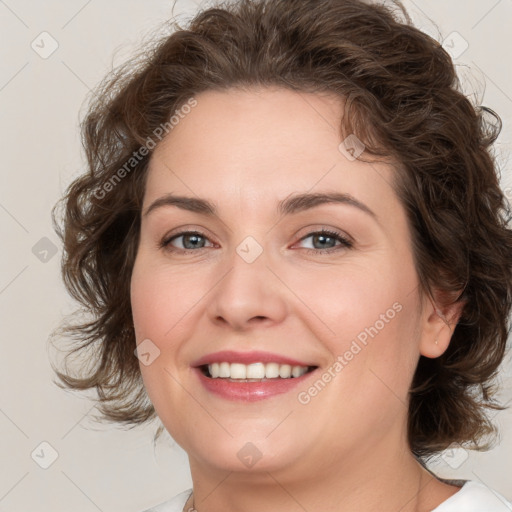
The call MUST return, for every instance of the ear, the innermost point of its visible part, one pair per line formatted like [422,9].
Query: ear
[438,325]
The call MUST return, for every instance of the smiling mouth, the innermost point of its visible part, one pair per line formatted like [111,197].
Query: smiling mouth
[255,372]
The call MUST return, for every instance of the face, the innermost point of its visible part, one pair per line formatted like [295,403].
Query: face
[256,275]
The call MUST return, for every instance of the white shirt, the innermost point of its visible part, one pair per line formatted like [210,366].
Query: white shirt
[472,497]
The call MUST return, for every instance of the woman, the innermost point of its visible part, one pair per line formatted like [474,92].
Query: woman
[293,219]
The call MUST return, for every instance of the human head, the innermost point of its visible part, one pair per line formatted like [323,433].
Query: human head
[403,105]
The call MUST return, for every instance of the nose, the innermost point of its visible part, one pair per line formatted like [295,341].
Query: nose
[248,295]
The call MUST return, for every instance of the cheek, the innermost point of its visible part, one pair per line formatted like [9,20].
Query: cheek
[162,299]
[348,299]
[146,303]
[381,349]
[367,315]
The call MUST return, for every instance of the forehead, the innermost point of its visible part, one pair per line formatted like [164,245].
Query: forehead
[255,147]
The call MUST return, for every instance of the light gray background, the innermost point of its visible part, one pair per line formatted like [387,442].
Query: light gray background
[101,467]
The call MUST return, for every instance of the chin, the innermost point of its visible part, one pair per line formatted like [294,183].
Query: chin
[243,454]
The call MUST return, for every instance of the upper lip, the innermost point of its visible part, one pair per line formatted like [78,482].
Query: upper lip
[231,356]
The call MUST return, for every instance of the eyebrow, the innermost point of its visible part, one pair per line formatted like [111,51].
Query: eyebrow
[288,206]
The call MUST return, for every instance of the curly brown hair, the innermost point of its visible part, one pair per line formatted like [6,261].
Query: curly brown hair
[403,100]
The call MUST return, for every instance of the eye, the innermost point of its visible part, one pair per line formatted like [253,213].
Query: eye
[185,241]
[321,241]
[326,241]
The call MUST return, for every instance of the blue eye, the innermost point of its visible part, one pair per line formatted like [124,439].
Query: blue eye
[327,241]
[323,241]
[191,240]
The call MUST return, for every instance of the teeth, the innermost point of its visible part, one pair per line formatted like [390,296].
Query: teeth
[238,371]
[271,370]
[255,371]
[285,371]
[297,371]
[214,370]
[224,370]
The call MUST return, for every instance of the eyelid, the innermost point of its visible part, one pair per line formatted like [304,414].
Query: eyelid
[312,230]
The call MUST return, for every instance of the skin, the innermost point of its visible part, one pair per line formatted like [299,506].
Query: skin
[347,448]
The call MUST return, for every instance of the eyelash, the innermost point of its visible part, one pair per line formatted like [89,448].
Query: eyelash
[344,242]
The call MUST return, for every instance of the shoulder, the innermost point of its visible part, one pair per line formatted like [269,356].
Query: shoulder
[175,504]
[475,497]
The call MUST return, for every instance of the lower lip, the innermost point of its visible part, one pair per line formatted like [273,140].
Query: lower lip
[250,391]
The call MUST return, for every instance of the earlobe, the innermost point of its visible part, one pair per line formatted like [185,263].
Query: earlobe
[438,327]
